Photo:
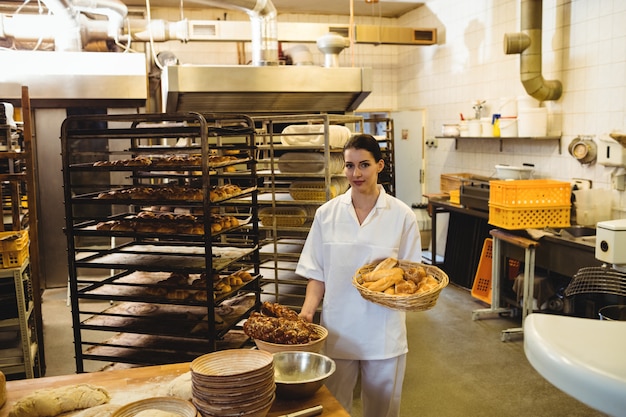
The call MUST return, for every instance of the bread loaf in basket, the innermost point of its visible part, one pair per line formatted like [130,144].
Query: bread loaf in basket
[400,285]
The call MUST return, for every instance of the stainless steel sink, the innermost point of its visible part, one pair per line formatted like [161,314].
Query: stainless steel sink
[579,231]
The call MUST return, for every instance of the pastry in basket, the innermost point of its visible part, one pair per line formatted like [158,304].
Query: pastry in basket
[279,324]
[390,279]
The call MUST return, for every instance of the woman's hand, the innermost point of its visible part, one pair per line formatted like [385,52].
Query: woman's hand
[314,293]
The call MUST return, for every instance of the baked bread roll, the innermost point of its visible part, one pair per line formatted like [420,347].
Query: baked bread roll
[395,276]
[405,287]
[382,273]
[386,264]
[244,275]
[427,284]
[3,389]
[177,294]
[200,296]
[156,291]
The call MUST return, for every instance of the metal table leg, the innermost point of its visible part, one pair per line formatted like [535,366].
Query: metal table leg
[499,238]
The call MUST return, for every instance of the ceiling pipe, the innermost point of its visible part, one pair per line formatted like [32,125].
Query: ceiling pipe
[263,17]
[114,10]
[68,31]
[527,43]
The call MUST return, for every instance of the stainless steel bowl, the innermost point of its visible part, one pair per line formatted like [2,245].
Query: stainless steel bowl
[300,374]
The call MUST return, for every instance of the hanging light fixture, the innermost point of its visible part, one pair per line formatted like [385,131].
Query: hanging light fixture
[371,1]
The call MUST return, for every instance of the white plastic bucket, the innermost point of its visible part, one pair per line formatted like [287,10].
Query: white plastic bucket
[507,107]
[532,122]
[486,128]
[526,102]
[473,128]
[508,127]
[463,128]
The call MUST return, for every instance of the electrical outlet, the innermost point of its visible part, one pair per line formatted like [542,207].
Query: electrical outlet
[431,143]
[580,183]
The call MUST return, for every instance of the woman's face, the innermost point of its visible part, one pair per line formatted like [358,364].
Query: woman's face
[361,169]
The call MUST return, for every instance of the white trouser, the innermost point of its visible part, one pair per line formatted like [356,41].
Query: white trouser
[381,385]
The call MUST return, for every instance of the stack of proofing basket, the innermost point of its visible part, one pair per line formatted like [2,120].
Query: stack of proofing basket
[529,204]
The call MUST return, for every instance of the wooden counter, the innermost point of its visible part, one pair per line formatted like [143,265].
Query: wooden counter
[149,379]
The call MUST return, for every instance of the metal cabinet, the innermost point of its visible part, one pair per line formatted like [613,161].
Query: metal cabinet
[161,220]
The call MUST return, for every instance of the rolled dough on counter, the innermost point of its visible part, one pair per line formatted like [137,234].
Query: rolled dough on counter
[55,401]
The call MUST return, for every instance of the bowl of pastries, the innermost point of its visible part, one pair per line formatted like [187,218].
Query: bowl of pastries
[277,328]
[400,285]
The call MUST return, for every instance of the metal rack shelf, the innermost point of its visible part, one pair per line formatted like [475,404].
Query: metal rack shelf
[159,277]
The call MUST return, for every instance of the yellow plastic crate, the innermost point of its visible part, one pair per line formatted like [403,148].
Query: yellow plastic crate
[13,240]
[14,259]
[453,181]
[529,218]
[455,196]
[530,193]
[481,287]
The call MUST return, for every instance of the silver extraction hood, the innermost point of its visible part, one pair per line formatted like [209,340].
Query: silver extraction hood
[264,89]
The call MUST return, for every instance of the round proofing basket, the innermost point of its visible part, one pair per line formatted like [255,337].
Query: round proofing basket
[165,404]
[413,302]
[315,346]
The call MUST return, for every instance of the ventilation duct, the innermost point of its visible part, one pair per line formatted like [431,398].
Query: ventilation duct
[262,15]
[527,43]
[67,26]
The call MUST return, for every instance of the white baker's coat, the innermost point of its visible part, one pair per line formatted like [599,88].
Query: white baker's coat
[335,248]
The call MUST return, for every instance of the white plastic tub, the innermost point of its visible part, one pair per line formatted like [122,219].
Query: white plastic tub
[508,127]
[509,172]
[532,122]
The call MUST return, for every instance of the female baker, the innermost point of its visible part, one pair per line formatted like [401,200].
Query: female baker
[361,226]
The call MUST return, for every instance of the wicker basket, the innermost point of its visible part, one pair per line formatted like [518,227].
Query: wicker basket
[414,302]
[284,216]
[316,190]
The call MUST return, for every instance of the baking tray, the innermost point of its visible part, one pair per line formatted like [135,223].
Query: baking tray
[134,287]
[145,349]
[155,258]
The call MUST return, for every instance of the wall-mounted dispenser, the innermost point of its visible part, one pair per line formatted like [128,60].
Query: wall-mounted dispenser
[611,151]
[583,149]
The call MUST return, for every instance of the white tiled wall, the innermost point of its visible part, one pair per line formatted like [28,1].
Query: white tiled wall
[584,44]
[583,47]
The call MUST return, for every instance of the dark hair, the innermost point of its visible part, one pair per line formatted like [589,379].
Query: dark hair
[366,142]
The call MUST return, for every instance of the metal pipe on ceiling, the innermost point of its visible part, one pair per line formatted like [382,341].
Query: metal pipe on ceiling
[263,17]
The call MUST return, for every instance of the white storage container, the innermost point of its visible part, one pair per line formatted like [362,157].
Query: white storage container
[508,127]
[509,172]
[532,122]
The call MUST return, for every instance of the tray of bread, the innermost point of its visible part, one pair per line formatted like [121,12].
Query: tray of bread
[148,221]
[171,161]
[172,193]
[400,284]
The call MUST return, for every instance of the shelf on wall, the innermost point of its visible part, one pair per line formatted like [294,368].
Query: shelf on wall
[501,139]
